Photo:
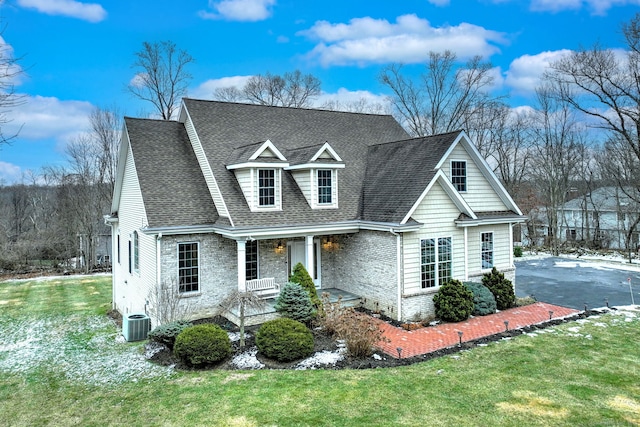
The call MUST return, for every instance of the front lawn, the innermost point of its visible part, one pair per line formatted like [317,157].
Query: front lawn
[61,364]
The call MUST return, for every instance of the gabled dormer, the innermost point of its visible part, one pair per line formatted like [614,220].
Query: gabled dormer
[315,170]
[258,169]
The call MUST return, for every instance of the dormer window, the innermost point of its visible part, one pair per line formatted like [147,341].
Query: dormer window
[325,188]
[266,187]
[459,175]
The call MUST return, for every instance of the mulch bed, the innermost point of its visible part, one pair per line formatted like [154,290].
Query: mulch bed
[324,342]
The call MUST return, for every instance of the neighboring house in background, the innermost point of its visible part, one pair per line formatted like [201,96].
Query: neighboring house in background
[606,217]
[232,196]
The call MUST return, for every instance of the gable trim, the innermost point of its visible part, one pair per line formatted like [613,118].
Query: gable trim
[484,168]
[326,147]
[122,158]
[453,194]
[268,145]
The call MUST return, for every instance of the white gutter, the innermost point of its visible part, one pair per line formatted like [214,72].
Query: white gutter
[398,270]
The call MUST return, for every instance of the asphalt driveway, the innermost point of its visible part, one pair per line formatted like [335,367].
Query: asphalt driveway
[574,283]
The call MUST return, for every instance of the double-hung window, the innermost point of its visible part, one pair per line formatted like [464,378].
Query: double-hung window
[435,262]
[324,187]
[266,187]
[487,250]
[459,175]
[251,259]
[188,267]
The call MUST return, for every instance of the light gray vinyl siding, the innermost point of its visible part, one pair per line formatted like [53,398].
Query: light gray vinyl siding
[303,180]
[206,168]
[438,213]
[244,177]
[480,196]
[501,247]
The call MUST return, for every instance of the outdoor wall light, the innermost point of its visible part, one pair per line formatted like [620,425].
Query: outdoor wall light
[280,247]
[329,244]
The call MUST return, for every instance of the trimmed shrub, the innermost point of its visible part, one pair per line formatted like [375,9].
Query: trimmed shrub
[302,277]
[517,251]
[294,303]
[501,288]
[166,334]
[483,300]
[454,302]
[202,344]
[284,340]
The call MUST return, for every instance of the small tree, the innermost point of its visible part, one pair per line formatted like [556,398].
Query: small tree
[244,301]
[167,305]
[294,303]
[302,277]
[501,288]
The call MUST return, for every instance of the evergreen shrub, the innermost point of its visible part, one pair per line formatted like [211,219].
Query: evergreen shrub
[284,340]
[483,300]
[294,303]
[166,334]
[501,288]
[302,277]
[517,251]
[453,302]
[202,344]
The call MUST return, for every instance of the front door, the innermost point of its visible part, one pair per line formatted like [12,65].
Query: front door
[297,254]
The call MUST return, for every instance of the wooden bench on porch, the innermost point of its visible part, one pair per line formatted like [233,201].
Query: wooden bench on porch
[265,288]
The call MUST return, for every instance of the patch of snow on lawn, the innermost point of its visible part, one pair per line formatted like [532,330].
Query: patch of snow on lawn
[321,359]
[81,348]
[247,360]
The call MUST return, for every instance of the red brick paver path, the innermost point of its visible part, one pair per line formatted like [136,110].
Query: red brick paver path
[433,338]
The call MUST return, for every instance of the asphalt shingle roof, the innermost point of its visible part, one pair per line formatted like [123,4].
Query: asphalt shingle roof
[173,187]
[222,127]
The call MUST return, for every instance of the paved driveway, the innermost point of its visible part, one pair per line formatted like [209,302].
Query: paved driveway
[572,283]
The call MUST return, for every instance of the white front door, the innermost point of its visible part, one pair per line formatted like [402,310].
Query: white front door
[297,254]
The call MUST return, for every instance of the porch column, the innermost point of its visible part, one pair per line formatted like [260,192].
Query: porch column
[242,272]
[309,254]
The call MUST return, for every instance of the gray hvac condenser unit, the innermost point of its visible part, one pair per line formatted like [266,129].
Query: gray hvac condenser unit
[135,327]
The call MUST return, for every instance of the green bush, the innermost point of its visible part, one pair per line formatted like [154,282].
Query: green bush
[501,288]
[483,300]
[454,302]
[167,333]
[517,251]
[302,277]
[284,340]
[202,344]
[294,303]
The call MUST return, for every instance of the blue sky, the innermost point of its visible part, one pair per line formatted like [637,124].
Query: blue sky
[78,54]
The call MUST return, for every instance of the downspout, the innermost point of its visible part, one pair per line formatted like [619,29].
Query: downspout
[466,254]
[158,264]
[398,275]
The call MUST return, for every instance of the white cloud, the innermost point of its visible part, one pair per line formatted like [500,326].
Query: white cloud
[439,2]
[9,173]
[92,12]
[410,39]
[48,118]
[239,10]
[524,72]
[347,97]
[205,90]
[597,7]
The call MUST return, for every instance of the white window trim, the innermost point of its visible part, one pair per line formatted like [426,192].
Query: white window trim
[313,176]
[493,250]
[277,196]
[437,271]
[466,174]
[135,249]
[189,293]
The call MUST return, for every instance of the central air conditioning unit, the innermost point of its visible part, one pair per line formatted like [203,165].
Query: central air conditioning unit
[135,327]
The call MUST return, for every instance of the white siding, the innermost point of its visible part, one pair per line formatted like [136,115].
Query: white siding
[216,195]
[501,248]
[132,289]
[244,178]
[480,196]
[438,213]
[303,179]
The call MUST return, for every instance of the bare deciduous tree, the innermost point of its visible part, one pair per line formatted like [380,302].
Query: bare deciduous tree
[445,97]
[162,77]
[243,301]
[167,305]
[10,71]
[293,89]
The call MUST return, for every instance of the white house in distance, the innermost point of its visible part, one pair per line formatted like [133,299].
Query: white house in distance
[232,196]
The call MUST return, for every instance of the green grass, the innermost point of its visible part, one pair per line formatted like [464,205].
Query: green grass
[585,374]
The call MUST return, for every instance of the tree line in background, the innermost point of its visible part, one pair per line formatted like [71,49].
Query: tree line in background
[581,134]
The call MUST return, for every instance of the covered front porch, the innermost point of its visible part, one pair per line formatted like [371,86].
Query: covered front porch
[256,317]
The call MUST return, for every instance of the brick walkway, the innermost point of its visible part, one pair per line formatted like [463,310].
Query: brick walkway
[433,338]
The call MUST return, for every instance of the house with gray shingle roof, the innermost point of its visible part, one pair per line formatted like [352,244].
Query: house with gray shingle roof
[232,196]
